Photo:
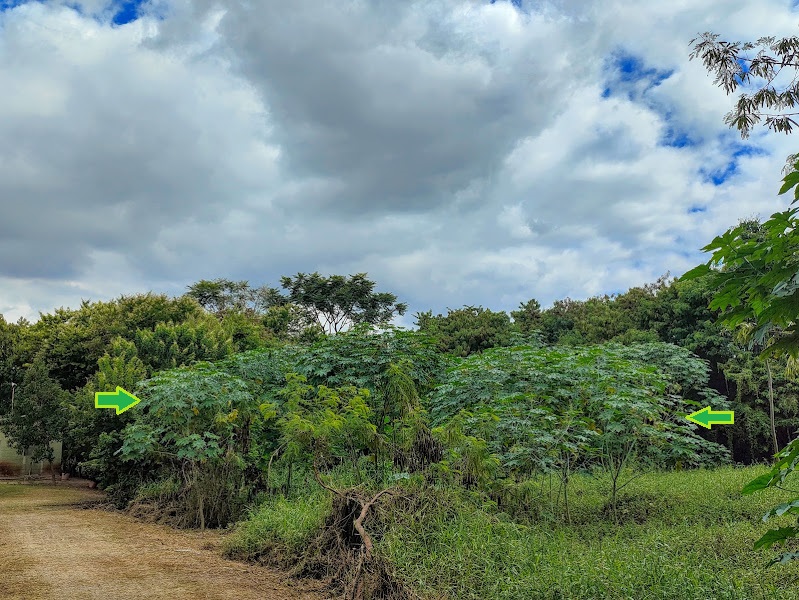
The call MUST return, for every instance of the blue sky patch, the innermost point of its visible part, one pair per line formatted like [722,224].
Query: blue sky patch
[628,76]
[9,4]
[741,149]
[127,12]
[737,150]
[632,68]
[676,137]
[719,176]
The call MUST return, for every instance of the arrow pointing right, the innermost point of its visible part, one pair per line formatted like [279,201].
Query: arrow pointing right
[121,400]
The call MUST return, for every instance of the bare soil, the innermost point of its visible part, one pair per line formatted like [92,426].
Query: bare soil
[54,547]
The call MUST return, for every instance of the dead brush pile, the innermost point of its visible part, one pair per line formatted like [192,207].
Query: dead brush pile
[199,498]
[343,549]
[343,552]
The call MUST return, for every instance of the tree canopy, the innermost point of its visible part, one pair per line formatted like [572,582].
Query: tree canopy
[338,302]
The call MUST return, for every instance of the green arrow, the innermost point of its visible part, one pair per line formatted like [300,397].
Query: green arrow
[707,417]
[120,400]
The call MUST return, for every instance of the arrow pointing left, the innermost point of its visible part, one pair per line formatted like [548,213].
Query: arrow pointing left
[707,417]
[121,400]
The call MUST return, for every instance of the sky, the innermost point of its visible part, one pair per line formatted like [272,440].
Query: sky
[460,152]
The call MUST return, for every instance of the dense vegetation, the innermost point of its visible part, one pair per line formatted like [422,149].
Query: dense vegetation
[354,446]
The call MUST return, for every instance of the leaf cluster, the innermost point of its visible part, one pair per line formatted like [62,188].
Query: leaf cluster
[754,65]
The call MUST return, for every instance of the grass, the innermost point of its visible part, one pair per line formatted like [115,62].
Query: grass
[10,489]
[682,536]
[279,528]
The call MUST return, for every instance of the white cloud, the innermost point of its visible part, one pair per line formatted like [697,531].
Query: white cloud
[460,152]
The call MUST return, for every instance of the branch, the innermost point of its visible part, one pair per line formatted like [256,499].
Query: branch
[318,478]
[358,523]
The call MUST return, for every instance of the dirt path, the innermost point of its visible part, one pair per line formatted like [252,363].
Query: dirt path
[51,549]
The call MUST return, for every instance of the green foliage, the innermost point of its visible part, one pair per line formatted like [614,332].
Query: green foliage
[467,330]
[37,418]
[756,277]
[527,318]
[72,341]
[12,358]
[683,539]
[595,320]
[767,96]
[244,333]
[687,375]
[468,457]
[784,468]
[194,424]
[290,322]
[325,424]
[279,528]
[170,345]
[222,296]
[754,269]
[125,364]
[192,414]
[553,409]
[254,317]
[119,367]
[362,357]
[338,302]
[117,477]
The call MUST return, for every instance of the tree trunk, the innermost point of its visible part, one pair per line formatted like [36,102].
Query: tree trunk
[771,408]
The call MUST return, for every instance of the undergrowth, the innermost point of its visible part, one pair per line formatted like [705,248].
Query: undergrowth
[682,535]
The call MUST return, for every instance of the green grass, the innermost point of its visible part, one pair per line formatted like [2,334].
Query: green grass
[279,528]
[7,490]
[683,536]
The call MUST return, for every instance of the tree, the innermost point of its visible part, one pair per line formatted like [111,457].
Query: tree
[190,429]
[338,302]
[222,296]
[467,330]
[528,317]
[38,419]
[740,64]
[73,340]
[120,366]
[291,322]
[551,410]
[756,280]
[11,359]
[170,345]
[757,276]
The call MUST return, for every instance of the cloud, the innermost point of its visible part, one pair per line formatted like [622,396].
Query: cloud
[460,151]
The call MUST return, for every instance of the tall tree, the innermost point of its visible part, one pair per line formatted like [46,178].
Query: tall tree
[38,418]
[757,277]
[338,302]
[528,316]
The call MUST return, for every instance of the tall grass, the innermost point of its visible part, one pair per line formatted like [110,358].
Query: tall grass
[683,535]
[279,528]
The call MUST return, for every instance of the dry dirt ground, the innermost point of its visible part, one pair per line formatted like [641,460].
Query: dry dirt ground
[51,548]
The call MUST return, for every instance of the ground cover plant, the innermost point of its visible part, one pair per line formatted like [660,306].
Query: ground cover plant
[683,534]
